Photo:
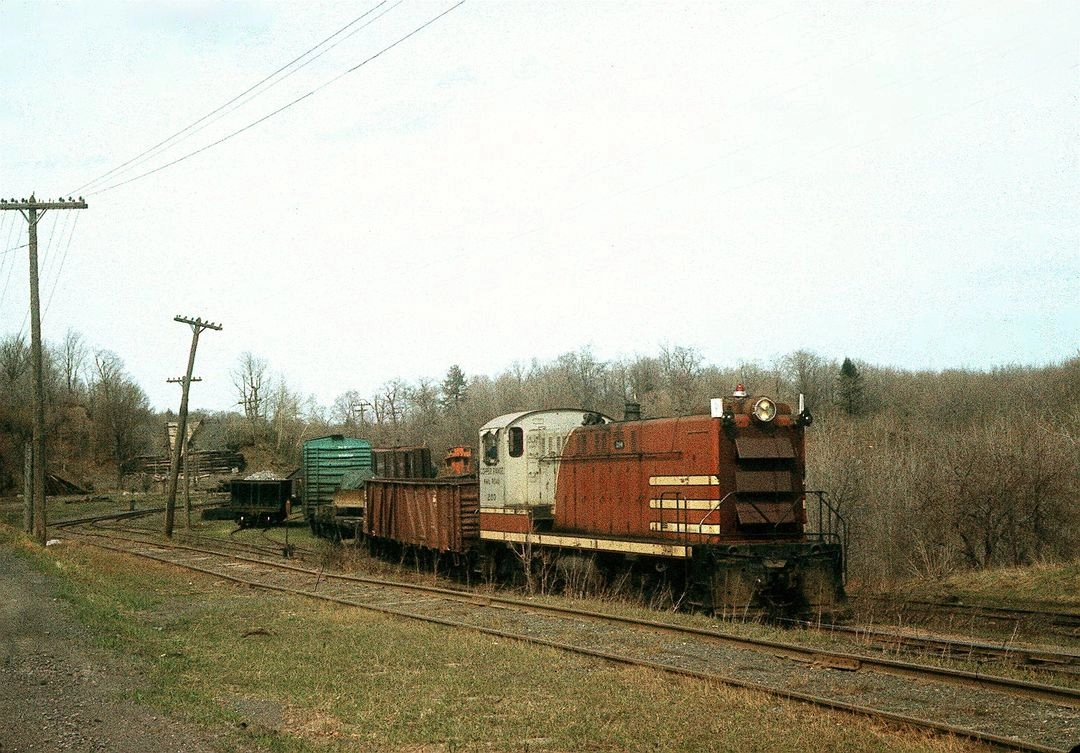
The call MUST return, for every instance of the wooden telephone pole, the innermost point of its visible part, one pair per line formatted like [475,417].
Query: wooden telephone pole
[197,326]
[33,210]
[184,454]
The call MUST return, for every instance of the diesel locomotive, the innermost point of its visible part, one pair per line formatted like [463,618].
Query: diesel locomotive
[715,503]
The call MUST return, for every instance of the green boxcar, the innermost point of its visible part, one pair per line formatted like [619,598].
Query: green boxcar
[328,461]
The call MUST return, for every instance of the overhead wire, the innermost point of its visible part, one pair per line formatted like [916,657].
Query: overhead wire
[42,262]
[48,260]
[230,106]
[284,107]
[191,129]
[9,253]
[63,259]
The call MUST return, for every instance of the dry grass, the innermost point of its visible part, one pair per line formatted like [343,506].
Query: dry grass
[1049,586]
[287,674]
[1042,584]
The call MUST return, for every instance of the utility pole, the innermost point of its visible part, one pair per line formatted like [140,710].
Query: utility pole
[184,454]
[33,210]
[197,326]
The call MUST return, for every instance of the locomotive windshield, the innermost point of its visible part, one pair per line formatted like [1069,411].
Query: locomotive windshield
[490,441]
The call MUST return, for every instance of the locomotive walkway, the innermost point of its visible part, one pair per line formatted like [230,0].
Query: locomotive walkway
[1003,712]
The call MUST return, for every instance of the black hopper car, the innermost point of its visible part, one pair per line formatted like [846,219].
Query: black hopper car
[260,502]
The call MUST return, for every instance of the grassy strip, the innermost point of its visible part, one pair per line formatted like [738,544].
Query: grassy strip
[1041,586]
[290,675]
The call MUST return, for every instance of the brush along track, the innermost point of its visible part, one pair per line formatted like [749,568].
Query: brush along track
[1006,713]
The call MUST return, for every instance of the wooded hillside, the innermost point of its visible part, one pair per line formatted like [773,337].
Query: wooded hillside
[934,471]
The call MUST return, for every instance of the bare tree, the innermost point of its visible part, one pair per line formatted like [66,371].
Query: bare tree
[351,411]
[680,369]
[121,413]
[14,362]
[586,377]
[71,360]
[285,415]
[390,406]
[809,375]
[425,412]
[249,378]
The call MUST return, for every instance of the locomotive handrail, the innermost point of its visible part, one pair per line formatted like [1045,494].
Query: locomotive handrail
[777,524]
[714,508]
[832,527]
[675,497]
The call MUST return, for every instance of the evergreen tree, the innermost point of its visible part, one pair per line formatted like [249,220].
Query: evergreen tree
[850,389]
[454,388]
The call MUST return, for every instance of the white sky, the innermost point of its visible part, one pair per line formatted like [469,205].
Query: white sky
[895,182]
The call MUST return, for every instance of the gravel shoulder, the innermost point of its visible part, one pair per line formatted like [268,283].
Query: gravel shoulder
[58,692]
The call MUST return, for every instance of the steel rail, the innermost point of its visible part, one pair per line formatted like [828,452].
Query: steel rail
[985,611]
[986,737]
[809,655]
[1032,657]
[261,549]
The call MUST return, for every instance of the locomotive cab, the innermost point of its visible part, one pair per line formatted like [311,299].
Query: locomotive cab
[518,466]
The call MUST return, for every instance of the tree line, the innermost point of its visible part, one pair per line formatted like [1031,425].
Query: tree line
[934,471]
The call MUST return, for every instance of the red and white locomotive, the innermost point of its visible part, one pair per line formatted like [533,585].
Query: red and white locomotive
[717,501]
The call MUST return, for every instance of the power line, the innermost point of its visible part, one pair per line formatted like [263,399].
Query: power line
[284,107]
[156,148]
[7,279]
[47,257]
[32,211]
[63,259]
[44,263]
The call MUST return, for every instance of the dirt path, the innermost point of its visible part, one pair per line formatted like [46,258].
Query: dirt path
[59,693]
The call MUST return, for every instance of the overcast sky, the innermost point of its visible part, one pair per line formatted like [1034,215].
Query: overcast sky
[894,182]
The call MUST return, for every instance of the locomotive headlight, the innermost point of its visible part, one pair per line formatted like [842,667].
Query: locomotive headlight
[764,410]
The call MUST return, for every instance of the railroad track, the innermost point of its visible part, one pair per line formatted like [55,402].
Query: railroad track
[272,546]
[1015,620]
[983,653]
[1003,712]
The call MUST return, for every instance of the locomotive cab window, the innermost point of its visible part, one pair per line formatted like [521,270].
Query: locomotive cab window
[491,448]
[517,441]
